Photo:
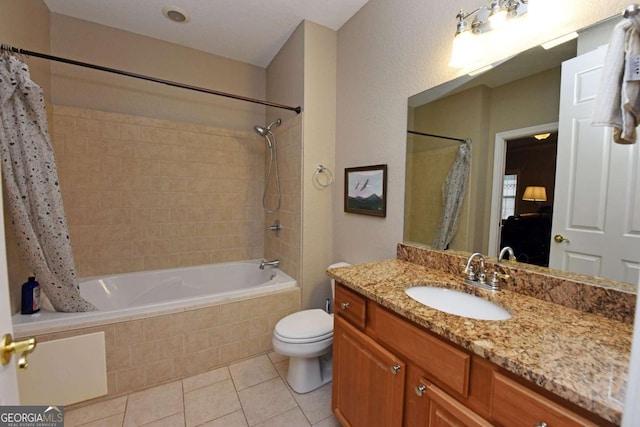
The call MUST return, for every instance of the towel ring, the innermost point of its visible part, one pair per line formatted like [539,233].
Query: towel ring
[318,182]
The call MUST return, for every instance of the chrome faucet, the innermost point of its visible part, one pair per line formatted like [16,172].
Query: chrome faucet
[273,263]
[276,227]
[506,249]
[469,270]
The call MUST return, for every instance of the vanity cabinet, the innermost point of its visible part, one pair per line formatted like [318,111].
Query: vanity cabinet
[388,371]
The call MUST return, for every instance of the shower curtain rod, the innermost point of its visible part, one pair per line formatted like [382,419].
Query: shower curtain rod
[9,48]
[438,136]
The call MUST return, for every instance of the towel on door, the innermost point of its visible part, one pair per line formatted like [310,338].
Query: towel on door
[618,99]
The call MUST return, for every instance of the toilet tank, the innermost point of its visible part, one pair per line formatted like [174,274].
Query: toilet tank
[333,282]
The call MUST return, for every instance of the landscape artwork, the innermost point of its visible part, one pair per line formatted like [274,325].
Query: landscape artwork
[365,190]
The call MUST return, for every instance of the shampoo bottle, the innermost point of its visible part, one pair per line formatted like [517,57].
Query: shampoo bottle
[30,296]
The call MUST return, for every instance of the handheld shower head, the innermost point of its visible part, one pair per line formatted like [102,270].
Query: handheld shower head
[261,131]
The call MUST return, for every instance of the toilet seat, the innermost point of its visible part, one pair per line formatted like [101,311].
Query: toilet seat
[305,327]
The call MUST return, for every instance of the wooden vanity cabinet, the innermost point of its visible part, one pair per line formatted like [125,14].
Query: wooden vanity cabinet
[389,372]
[368,380]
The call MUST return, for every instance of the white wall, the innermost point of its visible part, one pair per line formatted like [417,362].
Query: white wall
[387,52]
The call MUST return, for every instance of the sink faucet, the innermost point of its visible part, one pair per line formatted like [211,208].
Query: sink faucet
[469,270]
[273,263]
[506,249]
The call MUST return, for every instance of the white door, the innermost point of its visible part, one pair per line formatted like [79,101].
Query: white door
[596,219]
[8,378]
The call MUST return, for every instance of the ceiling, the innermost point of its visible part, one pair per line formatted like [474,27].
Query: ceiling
[250,31]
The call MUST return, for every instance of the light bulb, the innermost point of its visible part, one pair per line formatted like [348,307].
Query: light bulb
[464,50]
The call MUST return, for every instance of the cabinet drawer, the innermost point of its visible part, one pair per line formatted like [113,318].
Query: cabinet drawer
[515,405]
[444,363]
[350,306]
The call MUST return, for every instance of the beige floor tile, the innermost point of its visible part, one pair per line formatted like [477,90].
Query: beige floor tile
[154,404]
[331,421]
[112,421]
[266,400]
[316,405]
[205,379]
[97,411]
[210,402]
[234,419]
[176,420]
[283,369]
[291,418]
[252,371]
[275,357]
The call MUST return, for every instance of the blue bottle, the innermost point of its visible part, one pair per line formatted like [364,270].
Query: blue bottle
[30,296]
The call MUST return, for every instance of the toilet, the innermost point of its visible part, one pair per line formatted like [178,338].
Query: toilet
[306,337]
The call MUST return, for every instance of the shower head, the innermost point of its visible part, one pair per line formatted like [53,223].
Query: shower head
[264,131]
[261,131]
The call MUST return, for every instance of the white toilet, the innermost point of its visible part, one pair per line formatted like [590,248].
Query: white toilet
[306,337]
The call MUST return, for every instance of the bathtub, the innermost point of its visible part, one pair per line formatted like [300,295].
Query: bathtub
[138,295]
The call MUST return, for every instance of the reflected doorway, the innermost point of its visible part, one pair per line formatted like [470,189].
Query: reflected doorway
[527,196]
[523,192]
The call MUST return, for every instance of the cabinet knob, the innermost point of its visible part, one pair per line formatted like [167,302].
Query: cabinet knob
[541,424]
[344,305]
[421,389]
[395,369]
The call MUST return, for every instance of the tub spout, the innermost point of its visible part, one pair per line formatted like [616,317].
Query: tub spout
[273,263]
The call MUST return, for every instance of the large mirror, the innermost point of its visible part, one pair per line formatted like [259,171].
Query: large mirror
[511,115]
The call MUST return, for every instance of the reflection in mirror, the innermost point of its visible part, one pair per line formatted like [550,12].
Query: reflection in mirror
[519,94]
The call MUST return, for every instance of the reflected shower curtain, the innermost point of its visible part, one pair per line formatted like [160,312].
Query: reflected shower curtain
[32,188]
[453,197]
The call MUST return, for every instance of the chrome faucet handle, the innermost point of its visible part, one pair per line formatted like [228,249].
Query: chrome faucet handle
[470,272]
[495,279]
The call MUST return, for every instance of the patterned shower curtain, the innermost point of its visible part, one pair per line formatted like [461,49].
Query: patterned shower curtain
[453,197]
[32,190]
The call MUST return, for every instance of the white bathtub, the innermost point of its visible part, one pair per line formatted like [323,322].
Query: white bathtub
[138,295]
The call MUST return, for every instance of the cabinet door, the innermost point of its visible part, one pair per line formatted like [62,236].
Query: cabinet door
[445,411]
[368,381]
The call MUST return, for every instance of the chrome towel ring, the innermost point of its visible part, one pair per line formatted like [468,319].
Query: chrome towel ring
[322,177]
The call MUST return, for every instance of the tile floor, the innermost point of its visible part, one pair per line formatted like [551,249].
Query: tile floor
[248,393]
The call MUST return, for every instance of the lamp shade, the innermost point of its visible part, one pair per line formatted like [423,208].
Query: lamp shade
[535,194]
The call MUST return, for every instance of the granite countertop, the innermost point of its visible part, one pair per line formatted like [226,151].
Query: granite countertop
[578,356]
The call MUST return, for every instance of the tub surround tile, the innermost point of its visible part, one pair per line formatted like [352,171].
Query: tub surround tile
[573,354]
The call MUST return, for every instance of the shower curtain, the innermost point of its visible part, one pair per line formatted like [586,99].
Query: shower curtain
[32,189]
[453,197]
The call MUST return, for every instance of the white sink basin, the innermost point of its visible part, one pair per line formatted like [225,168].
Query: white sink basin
[458,303]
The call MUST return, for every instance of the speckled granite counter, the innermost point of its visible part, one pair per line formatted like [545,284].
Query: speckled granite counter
[579,356]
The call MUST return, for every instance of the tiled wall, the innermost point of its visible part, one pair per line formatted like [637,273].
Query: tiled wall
[143,194]
[146,352]
[286,245]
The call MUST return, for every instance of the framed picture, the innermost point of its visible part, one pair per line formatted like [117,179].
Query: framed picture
[365,190]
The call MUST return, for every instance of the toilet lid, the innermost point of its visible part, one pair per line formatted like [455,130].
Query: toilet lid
[305,326]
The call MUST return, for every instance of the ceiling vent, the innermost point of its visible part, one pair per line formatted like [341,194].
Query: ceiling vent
[176,14]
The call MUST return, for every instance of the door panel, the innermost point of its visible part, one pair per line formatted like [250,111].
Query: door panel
[597,190]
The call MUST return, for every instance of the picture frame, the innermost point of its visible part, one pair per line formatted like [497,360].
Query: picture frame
[365,190]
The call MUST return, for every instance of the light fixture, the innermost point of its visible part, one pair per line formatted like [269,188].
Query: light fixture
[535,194]
[542,136]
[176,14]
[486,18]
